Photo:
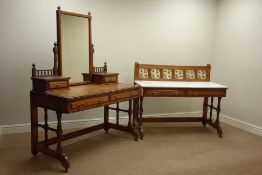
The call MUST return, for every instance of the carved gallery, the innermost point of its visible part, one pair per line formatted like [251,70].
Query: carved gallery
[150,87]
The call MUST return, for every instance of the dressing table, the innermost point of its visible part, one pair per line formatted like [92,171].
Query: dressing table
[180,81]
[73,85]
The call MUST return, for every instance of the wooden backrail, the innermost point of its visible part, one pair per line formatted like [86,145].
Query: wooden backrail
[152,72]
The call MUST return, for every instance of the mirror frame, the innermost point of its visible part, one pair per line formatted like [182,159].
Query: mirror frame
[59,14]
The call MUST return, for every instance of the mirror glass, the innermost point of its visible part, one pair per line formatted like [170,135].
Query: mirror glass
[74,47]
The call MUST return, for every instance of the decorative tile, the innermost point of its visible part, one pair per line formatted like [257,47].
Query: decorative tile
[167,74]
[143,73]
[201,74]
[190,74]
[179,74]
[155,73]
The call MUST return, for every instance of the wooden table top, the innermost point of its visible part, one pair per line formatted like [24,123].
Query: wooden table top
[51,78]
[91,90]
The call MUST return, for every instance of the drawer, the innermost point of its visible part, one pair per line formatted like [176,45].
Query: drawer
[47,83]
[58,84]
[103,77]
[163,93]
[125,95]
[110,79]
[89,102]
[206,93]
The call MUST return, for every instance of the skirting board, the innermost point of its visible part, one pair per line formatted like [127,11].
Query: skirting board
[242,125]
[69,124]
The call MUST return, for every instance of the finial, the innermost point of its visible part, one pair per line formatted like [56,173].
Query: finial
[58,8]
[55,44]
[89,13]
[92,48]
[33,65]
[105,67]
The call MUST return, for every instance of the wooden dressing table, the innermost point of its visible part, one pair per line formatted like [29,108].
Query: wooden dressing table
[52,91]
[180,81]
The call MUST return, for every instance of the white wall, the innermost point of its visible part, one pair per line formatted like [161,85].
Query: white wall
[238,58]
[124,31]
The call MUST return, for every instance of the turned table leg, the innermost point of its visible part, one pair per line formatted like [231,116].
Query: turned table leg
[215,124]
[34,130]
[130,112]
[117,113]
[141,117]
[135,117]
[211,108]
[138,119]
[205,108]
[106,118]
[46,128]
[59,150]
[136,108]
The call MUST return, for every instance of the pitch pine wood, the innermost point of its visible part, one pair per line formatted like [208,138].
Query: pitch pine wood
[79,98]
[206,93]
[51,91]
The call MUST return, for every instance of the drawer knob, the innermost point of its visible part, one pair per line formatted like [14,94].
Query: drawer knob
[58,85]
[118,96]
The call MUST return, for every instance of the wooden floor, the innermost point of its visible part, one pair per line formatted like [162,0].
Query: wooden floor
[167,149]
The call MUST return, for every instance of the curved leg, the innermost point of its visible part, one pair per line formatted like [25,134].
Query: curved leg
[141,133]
[134,133]
[219,131]
[64,161]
